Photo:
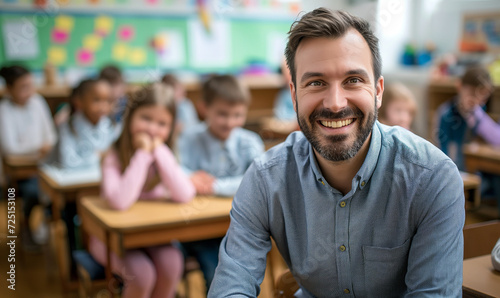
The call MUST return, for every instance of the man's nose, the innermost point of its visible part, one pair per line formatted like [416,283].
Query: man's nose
[335,99]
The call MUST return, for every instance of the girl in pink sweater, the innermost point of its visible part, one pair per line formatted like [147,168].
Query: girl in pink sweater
[140,166]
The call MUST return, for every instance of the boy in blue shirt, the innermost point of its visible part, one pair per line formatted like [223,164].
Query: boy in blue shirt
[217,153]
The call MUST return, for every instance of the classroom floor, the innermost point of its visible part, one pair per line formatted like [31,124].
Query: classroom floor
[36,275]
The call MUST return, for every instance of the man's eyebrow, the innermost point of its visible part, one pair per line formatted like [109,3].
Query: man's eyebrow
[359,71]
[309,75]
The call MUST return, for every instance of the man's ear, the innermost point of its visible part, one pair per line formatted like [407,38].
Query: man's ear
[294,95]
[380,91]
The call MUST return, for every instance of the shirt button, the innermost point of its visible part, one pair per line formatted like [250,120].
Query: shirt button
[342,248]
[346,291]
[363,183]
[342,204]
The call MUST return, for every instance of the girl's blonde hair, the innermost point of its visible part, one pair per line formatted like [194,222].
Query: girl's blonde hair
[150,95]
[397,92]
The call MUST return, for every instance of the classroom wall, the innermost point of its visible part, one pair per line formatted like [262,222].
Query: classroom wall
[133,37]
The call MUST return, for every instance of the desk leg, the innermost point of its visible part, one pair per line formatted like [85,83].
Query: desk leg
[109,274]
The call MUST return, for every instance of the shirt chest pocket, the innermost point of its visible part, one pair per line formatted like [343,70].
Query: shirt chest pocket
[385,270]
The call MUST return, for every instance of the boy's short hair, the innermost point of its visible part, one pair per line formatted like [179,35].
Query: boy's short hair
[226,88]
[170,80]
[477,77]
[111,74]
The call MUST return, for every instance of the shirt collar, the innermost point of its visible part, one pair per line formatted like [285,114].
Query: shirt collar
[367,168]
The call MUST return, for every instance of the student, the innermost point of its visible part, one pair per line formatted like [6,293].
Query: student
[356,208]
[26,127]
[398,107]
[495,256]
[187,117]
[474,88]
[114,77]
[218,152]
[89,131]
[140,166]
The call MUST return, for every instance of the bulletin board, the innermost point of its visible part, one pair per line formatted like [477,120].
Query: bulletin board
[481,33]
[146,39]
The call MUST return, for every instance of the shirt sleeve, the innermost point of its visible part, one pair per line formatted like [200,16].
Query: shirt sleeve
[485,127]
[172,176]
[121,190]
[243,251]
[227,186]
[436,252]
[7,136]
[495,256]
[188,158]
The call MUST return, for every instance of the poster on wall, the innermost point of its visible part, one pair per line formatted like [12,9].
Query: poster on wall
[209,48]
[20,39]
[481,33]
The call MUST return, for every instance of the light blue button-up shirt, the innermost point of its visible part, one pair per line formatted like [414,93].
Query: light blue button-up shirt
[226,160]
[397,233]
[83,147]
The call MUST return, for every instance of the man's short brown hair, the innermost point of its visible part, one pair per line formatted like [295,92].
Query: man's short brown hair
[323,22]
[226,88]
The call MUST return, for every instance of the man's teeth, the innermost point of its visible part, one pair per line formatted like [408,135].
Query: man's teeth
[336,124]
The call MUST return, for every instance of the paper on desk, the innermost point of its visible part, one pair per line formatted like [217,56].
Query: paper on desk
[65,177]
[21,39]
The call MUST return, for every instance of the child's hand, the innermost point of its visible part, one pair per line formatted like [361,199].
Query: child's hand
[143,141]
[157,142]
[203,183]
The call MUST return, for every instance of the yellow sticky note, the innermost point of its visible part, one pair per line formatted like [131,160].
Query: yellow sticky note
[64,23]
[137,56]
[92,42]
[56,55]
[103,24]
[120,51]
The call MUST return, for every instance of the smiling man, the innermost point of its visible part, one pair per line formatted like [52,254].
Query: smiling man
[357,209]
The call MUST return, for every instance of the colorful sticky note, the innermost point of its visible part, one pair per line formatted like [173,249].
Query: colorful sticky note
[56,55]
[92,42]
[137,56]
[126,33]
[59,36]
[64,23]
[84,56]
[120,51]
[103,25]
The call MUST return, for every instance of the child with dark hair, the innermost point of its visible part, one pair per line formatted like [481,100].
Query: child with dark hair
[26,127]
[114,77]
[464,117]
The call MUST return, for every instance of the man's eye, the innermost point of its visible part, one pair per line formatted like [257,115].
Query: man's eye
[315,84]
[354,80]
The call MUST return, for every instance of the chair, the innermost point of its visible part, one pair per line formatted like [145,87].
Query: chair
[286,285]
[480,238]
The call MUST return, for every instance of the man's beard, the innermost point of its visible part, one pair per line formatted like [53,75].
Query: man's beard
[337,149]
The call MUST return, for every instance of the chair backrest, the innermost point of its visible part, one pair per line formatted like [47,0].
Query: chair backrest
[480,238]
[286,285]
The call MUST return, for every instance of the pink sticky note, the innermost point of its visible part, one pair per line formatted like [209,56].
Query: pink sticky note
[152,1]
[84,56]
[59,36]
[126,33]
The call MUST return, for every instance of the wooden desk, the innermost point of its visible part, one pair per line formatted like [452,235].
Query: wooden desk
[18,167]
[472,187]
[481,157]
[59,195]
[480,279]
[149,223]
